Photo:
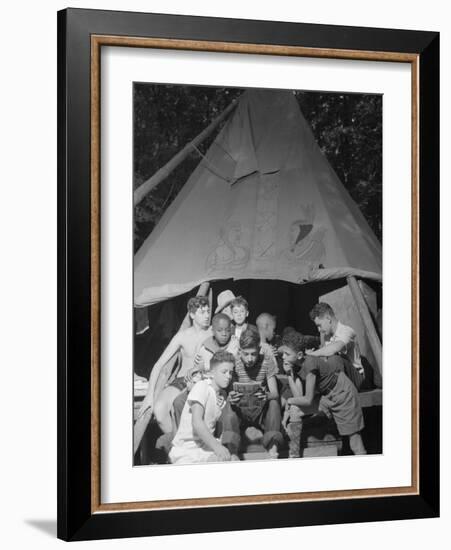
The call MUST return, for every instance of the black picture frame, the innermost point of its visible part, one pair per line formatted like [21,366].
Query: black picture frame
[78,518]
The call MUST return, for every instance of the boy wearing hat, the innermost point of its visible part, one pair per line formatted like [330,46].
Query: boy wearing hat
[225,298]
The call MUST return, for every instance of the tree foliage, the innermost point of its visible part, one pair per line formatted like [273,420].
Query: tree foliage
[347,127]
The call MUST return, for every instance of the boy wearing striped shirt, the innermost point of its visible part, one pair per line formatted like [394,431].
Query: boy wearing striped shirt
[257,368]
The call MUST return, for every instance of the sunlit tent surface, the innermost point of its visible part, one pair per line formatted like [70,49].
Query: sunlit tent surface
[264,203]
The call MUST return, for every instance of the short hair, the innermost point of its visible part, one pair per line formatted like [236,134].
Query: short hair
[321,310]
[250,338]
[266,317]
[221,356]
[287,330]
[197,302]
[239,301]
[295,341]
[220,317]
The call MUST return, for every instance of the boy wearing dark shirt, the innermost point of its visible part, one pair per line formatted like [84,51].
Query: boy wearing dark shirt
[339,397]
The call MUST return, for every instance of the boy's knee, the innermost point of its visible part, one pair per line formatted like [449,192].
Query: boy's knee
[162,416]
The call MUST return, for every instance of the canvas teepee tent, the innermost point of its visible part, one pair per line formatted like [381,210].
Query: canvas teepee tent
[264,203]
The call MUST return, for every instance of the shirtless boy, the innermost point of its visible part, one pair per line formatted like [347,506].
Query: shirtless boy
[188,343]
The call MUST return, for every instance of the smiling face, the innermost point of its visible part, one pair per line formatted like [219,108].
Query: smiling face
[249,357]
[221,375]
[239,314]
[222,331]
[201,317]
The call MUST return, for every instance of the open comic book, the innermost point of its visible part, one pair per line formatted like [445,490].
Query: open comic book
[250,404]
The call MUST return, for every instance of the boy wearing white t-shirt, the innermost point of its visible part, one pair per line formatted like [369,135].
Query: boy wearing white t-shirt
[339,343]
[195,441]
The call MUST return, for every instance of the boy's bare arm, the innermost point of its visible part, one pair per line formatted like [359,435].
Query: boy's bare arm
[202,431]
[295,386]
[328,350]
[307,398]
[273,392]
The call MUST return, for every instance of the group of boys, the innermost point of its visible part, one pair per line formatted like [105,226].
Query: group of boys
[229,379]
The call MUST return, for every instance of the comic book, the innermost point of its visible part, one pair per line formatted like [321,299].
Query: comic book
[250,405]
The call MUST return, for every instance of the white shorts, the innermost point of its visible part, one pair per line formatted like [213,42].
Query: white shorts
[191,453]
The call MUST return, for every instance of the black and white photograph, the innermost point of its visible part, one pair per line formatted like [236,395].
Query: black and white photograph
[257,274]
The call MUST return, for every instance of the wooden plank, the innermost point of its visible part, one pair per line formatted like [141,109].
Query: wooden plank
[367,320]
[164,171]
[371,398]
[325,450]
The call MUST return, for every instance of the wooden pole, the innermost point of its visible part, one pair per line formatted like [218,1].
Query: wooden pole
[141,424]
[164,172]
[368,323]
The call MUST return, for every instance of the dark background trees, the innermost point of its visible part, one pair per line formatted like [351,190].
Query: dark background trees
[347,127]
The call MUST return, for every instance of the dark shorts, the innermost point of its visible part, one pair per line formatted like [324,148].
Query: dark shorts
[343,404]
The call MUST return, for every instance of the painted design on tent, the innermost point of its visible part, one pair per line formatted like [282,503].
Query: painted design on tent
[266,220]
[306,248]
[229,252]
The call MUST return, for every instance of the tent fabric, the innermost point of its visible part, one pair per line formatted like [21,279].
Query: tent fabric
[264,203]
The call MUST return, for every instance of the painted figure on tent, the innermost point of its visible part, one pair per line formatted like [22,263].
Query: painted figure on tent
[306,248]
[230,253]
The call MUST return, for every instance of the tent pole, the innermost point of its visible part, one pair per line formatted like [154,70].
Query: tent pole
[164,172]
[364,312]
[141,424]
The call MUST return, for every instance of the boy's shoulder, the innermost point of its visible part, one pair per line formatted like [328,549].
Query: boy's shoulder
[344,331]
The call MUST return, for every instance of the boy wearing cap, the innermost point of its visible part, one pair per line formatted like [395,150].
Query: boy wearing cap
[225,298]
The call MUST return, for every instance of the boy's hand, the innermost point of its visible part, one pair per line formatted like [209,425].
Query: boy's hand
[309,351]
[234,397]
[222,453]
[261,394]
[288,368]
